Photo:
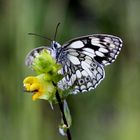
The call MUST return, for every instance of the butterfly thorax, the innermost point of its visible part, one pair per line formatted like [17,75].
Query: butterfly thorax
[55,49]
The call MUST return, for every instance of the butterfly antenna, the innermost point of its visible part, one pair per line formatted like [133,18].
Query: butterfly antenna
[56,30]
[40,36]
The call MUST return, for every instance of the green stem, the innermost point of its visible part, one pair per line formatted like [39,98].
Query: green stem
[63,115]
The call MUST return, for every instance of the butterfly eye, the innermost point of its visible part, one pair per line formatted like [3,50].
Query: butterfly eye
[55,45]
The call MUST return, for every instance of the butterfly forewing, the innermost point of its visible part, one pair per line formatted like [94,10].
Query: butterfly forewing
[104,48]
[32,54]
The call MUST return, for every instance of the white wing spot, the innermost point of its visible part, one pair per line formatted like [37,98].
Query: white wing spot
[74,59]
[89,50]
[96,42]
[112,45]
[84,90]
[104,62]
[103,50]
[90,88]
[107,39]
[88,54]
[85,66]
[74,53]
[67,77]
[112,54]
[100,70]
[117,43]
[99,53]
[88,61]
[78,73]
[66,68]
[76,91]
[94,39]
[98,77]
[70,82]
[88,58]
[83,87]
[76,44]
[94,82]
[84,73]
[36,54]
[115,51]
[89,84]
[73,78]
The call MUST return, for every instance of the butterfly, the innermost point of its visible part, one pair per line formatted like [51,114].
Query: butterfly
[83,60]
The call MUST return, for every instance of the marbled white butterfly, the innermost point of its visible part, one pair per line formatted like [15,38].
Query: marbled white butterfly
[83,59]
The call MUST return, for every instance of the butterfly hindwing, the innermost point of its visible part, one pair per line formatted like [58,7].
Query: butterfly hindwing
[84,76]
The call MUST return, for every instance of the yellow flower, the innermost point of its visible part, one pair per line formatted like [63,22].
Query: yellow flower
[40,87]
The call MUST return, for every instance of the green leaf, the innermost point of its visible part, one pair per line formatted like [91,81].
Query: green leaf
[67,113]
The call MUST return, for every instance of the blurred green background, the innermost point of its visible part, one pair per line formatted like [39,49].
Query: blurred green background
[112,111]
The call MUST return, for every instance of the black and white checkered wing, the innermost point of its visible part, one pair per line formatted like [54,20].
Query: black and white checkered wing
[33,54]
[84,58]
